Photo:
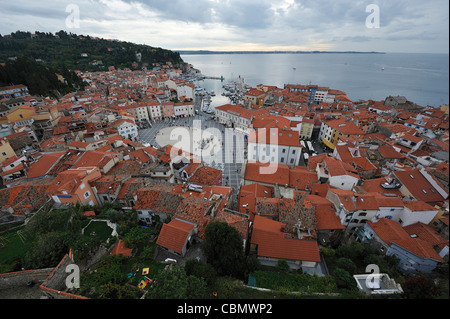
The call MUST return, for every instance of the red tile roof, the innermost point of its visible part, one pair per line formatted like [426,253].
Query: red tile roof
[174,235]
[428,234]
[247,197]
[206,175]
[374,186]
[419,186]
[275,136]
[388,152]
[121,249]
[388,230]
[271,241]
[241,111]
[325,213]
[418,206]
[44,164]
[256,172]
[301,178]
[345,126]
[418,247]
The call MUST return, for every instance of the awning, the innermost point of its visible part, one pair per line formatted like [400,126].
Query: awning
[328,144]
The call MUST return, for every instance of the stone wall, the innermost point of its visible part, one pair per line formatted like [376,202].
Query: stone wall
[21,278]
[55,285]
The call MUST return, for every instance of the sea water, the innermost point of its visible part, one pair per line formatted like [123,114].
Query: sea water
[421,78]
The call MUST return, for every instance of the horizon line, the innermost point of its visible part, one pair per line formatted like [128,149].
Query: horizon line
[296,51]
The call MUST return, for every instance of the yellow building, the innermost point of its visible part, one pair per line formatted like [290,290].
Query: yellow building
[306,128]
[6,150]
[334,130]
[26,115]
[23,115]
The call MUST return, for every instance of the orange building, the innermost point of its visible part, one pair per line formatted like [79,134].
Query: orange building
[72,187]
[167,110]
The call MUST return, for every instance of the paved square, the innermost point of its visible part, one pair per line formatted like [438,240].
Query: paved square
[228,157]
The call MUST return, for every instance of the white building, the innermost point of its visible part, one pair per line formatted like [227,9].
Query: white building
[154,110]
[417,211]
[275,146]
[238,117]
[333,172]
[184,109]
[321,95]
[127,129]
[186,90]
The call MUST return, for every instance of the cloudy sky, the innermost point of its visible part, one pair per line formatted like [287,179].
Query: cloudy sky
[338,25]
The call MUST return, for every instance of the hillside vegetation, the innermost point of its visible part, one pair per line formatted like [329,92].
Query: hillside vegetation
[79,52]
[46,62]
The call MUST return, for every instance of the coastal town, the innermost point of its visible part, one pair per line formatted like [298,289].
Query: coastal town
[297,171]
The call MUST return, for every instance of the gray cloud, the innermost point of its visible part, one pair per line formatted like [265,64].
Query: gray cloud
[338,24]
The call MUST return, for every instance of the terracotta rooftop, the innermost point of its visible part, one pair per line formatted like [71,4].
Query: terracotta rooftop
[205,175]
[44,164]
[428,234]
[419,186]
[271,241]
[121,249]
[174,235]
[325,213]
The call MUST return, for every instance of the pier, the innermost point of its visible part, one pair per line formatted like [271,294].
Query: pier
[214,78]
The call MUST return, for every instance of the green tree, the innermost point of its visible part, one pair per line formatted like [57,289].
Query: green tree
[175,284]
[282,265]
[343,279]
[420,287]
[223,249]
[199,269]
[116,291]
[346,264]
[138,237]
[103,280]
[47,250]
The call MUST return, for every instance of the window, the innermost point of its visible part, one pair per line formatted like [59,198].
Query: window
[87,194]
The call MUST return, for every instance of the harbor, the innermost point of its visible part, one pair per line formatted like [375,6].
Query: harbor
[213,93]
